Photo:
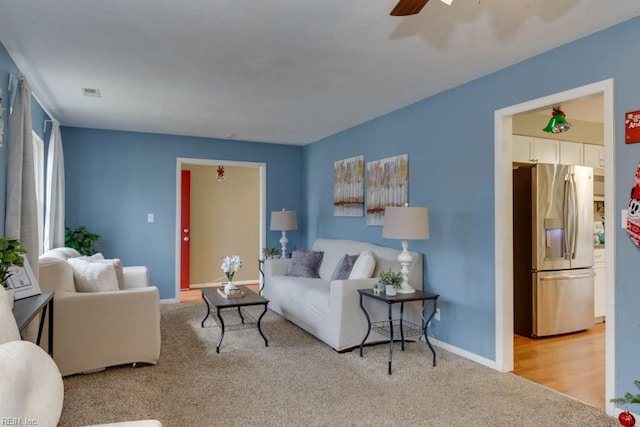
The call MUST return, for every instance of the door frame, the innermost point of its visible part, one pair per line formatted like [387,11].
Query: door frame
[262,174]
[503,183]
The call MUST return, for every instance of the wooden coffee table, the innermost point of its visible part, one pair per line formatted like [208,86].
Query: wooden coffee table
[243,318]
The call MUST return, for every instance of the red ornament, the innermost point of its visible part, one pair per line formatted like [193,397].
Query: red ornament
[220,172]
[626,419]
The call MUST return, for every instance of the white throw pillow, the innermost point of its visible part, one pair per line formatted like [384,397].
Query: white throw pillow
[93,276]
[364,266]
[117,264]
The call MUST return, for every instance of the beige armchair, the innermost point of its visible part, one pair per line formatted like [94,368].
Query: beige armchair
[95,330]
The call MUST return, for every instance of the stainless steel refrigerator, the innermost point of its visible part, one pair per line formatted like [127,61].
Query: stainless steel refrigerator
[553,276]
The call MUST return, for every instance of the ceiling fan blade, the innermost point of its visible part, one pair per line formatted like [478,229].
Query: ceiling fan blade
[408,7]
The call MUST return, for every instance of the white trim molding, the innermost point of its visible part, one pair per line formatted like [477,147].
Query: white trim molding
[504,224]
[262,167]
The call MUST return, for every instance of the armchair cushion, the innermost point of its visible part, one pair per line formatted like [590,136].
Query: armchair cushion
[92,276]
[117,265]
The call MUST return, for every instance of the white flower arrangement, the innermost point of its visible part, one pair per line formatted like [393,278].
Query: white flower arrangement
[231,264]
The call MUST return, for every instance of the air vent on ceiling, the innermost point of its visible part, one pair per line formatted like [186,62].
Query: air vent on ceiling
[87,91]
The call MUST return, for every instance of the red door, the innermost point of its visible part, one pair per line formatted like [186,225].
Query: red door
[185,229]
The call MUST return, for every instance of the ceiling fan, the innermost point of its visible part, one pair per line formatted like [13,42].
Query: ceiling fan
[411,7]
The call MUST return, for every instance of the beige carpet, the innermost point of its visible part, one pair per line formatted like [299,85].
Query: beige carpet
[299,381]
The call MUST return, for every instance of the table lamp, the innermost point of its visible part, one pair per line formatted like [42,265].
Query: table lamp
[284,221]
[405,223]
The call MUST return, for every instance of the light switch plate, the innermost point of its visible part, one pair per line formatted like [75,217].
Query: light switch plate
[623,218]
[150,217]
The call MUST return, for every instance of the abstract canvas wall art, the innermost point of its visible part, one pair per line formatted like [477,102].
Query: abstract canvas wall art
[348,187]
[387,185]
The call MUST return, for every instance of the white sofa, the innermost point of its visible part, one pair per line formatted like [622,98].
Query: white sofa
[95,330]
[31,389]
[330,310]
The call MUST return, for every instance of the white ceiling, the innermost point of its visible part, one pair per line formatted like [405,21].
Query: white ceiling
[288,71]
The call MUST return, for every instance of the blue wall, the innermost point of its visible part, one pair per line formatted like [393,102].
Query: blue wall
[450,142]
[113,179]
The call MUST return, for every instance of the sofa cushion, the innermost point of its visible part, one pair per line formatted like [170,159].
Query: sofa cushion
[93,276]
[364,266]
[304,263]
[344,267]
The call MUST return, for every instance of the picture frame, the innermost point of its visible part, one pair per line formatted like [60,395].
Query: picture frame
[22,281]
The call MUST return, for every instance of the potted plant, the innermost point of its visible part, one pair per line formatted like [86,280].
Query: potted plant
[10,255]
[81,239]
[392,281]
[270,252]
[625,417]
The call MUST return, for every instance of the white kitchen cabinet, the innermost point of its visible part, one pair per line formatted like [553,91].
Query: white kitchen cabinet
[599,284]
[527,149]
[594,156]
[545,151]
[571,153]
[521,149]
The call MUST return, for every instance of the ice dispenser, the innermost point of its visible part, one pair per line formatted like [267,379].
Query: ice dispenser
[554,238]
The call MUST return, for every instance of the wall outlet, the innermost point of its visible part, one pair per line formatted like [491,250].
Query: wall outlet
[437,315]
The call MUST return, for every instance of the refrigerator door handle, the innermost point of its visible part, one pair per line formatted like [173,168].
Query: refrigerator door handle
[568,276]
[570,216]
[565,219]
[574,216]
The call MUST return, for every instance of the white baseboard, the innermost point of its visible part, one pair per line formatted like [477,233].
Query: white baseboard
[463,353]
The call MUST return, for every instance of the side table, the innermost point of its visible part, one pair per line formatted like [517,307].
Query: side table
[26,309]
[392,327]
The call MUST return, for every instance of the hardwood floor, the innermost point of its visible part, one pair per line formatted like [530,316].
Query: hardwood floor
[195,295]
[573,364]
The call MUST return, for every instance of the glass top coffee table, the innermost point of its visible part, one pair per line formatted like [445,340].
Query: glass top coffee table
[237,318]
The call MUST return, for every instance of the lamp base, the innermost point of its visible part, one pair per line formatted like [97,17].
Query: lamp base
[283,244]
[405,259]
[406,290]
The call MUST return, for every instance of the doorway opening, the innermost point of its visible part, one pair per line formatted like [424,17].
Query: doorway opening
[504,224]
[227,217]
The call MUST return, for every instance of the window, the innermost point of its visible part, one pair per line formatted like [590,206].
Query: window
[38,169]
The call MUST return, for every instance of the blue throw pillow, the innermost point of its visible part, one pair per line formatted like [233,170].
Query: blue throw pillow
[344,267]
[304,263]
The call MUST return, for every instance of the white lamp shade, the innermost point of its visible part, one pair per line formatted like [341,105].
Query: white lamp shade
[406,223]
[283,221]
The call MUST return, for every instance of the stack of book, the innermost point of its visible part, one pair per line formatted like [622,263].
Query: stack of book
[239,293]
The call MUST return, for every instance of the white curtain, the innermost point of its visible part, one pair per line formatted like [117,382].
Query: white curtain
[21,217]
[54,216]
